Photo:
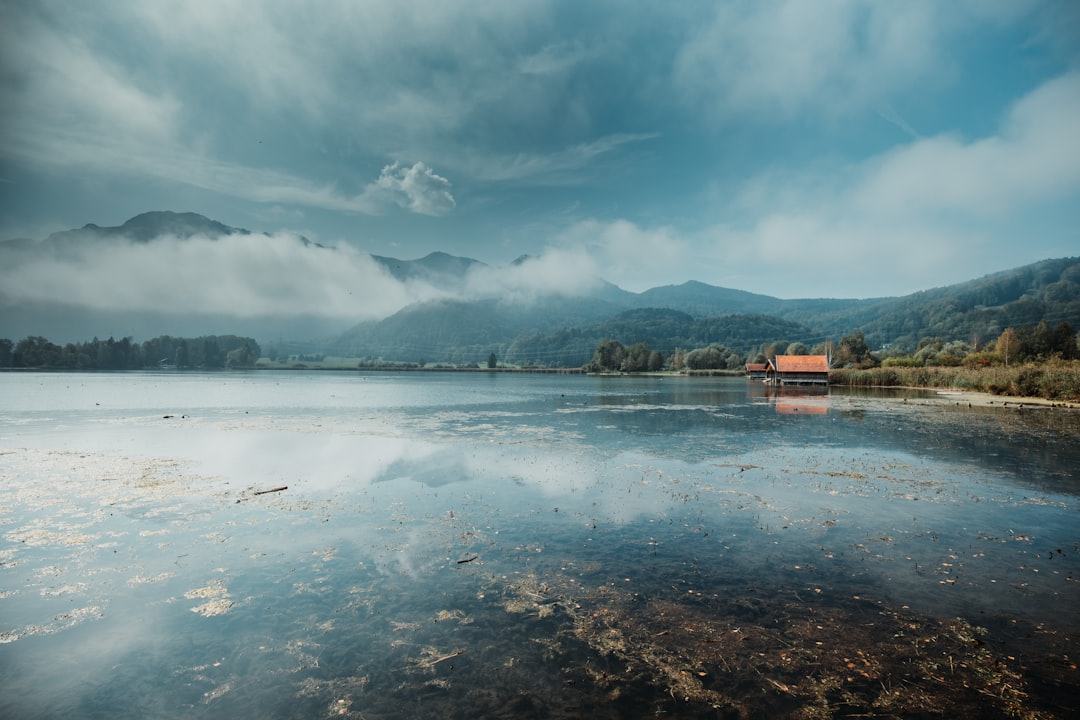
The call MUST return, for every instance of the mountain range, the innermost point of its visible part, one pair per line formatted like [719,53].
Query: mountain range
[255,284]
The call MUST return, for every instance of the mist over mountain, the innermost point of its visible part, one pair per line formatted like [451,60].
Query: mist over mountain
[437,268]
[185,274]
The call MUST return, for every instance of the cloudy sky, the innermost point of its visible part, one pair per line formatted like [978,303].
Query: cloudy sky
[797,149]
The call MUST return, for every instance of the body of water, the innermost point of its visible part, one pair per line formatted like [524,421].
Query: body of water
[315,544]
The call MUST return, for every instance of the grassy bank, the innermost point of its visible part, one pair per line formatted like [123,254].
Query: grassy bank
[1050,381]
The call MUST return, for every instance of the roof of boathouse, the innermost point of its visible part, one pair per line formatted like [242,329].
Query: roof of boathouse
[802,363]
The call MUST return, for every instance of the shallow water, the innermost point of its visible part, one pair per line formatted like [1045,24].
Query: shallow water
[497,545]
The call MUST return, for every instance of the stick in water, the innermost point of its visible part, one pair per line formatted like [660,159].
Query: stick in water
[436,661]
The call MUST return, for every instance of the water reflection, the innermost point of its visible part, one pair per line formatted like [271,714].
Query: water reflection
[543,550]
[810,400]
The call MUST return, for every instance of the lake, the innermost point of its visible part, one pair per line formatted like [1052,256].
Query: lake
[445,545]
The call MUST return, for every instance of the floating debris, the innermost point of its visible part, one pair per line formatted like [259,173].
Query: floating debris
[217,596]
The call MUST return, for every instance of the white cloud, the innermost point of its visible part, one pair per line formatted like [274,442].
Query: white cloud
[258,276]
[56,79]
[925,210]
[920,215]
[400,70]
[238,275]
[416,188]
[554,58]
[83,105]
[567,272]
[532,106]
[563,167]
[1035,156]
[780,59]
[633,257]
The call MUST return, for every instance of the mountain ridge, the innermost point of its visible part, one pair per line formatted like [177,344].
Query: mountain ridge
[146,226]
[451,325]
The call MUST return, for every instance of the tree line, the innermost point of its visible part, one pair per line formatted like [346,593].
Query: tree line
[613,356]
[1023,344]
[205,352]
[1035,343]
[1040,342]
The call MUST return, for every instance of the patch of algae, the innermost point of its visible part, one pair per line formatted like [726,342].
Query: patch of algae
[217,599]
[748,654]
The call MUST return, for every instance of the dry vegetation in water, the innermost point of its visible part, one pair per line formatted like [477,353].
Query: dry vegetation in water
[1055,380]
[757,655]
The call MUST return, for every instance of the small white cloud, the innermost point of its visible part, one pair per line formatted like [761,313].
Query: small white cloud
[417,189]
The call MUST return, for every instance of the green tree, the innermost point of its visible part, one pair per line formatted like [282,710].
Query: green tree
[211,355]
[776,348]
[713,357]
[823,348]
[797,348]
[104,353]
[6,347]
[36,352]
[854,352]
[493,362]
[637,358]
[1039,341]
[73,358]
[183,358]
[1064,341]
[953,353]
[608,357]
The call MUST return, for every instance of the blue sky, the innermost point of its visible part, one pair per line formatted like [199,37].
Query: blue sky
[797,149]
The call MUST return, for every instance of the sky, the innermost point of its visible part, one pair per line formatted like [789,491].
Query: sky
[825,148]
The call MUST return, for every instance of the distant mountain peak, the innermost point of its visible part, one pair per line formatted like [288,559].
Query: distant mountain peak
[438,268]
[146,226]
[149,225]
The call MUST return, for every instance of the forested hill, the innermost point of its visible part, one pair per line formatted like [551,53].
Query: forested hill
[703,300]
[981,308]
[565,331]
[462,332]
[556,333]
[976,311]
[661,329]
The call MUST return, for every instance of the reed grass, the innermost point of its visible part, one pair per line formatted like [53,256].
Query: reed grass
[1054,380]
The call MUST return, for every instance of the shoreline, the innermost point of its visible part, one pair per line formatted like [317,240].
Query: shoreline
[977,399]
[973,398]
